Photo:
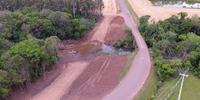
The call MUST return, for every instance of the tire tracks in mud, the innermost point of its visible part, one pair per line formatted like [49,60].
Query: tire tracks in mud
[90,82]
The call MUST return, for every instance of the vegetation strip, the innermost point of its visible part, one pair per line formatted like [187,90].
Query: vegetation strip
[175,45]
[127,66]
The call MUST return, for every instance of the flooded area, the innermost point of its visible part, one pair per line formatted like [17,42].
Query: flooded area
[106,49]
[92,48]
[195,4]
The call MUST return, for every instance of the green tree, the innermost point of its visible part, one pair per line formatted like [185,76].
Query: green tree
[4,84]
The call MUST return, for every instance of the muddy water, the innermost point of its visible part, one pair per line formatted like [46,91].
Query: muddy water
[113,51]
[177,3]
[89,49]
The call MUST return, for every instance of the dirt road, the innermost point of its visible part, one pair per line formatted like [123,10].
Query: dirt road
[102,29]
[62,83]
[141,65]
[110,7]
[145,7]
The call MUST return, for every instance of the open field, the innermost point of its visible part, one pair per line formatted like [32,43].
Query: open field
[190,89]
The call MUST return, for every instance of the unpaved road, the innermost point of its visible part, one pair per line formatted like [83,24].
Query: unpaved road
[145,7]
[61,84]
[110,7]
[141,65]
[103,29]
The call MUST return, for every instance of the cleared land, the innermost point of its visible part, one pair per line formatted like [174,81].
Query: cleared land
[81,74]
[145,7]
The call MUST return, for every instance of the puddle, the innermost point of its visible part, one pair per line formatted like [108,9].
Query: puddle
[78,51]
[177,4]
[105,49]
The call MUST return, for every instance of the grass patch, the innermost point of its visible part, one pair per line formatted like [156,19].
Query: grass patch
[191,89]
[166,87]
[149,89]
[127,66]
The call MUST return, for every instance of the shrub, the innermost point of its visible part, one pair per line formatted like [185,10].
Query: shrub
[4,84]
[127,42]
[175,41]
[164,70]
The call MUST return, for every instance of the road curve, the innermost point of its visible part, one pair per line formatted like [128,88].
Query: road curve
[141,65]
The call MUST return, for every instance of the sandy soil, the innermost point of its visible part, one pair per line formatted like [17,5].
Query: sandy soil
[62,83]
[103,29]
[110,7]
[145,7]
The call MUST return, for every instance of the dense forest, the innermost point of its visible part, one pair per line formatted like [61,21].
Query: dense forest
[30,31]
[175,44]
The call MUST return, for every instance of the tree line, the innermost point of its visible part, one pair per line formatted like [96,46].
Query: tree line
[77,7]
[175,44]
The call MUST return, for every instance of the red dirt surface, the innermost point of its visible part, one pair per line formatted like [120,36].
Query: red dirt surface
[100,77]
[62,83]
[103,28]
[116,30]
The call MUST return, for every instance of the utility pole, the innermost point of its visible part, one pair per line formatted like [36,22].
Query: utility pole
[180,91]
[74,8]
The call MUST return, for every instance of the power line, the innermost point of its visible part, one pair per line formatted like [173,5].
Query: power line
[181,88]
[181,79]
[172,90]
